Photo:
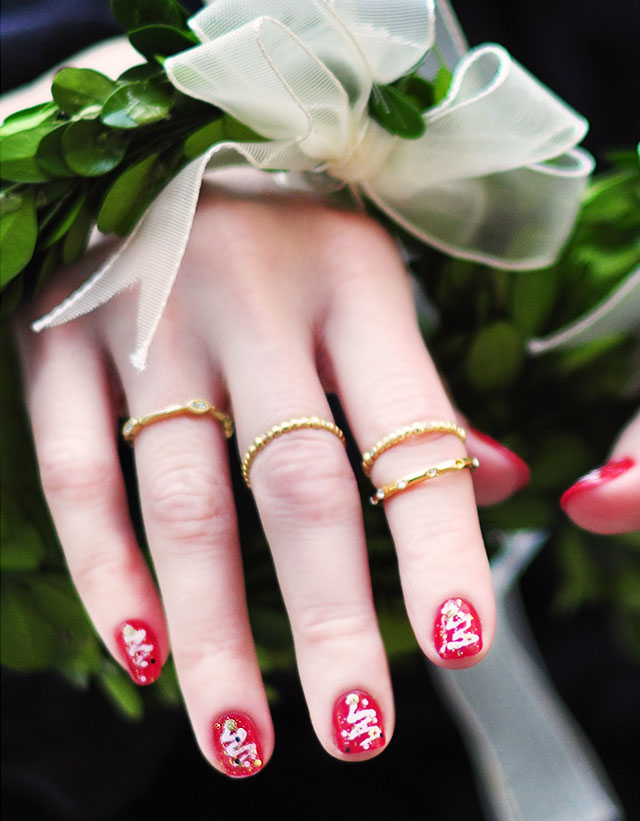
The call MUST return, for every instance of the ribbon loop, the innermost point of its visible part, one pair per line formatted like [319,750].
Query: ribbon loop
[495,178]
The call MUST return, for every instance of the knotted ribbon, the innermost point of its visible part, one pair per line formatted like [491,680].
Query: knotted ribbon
[495,178]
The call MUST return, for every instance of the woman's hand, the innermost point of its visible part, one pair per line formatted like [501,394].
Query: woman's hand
[607,500]
[278,301]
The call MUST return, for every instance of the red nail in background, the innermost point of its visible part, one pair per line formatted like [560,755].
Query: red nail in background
[519,465]
[237,746]
[140,650]
[457,632]
[357,723]
[597,477]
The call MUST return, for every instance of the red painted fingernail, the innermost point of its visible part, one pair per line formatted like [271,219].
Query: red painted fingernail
[140,650]
[457,632]
[357,723]
[237,746]
[519,465]
[597,477]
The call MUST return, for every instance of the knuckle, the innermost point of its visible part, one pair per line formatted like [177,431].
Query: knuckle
[70,471]
[335,624]
[190,504]
[302,476]
[101,568]
[201,648]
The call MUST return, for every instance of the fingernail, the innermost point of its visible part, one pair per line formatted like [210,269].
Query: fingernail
[597,477]
[357,723]
[237,746]
[457,632]
[140,650]
[519,465]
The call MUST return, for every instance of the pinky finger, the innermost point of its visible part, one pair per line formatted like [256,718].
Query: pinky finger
[73,427]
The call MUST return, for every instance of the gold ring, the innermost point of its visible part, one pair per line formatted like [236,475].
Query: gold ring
[399,435]
[287,426]
[387,491]
[195,407]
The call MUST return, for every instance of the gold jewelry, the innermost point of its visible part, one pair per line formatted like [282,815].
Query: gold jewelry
[387,491]
[195,407]
[287,426]
[400,434]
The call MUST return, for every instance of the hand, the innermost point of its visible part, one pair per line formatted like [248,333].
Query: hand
[278,301]
[607,500]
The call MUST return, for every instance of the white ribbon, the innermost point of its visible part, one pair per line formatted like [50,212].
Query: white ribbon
[495,178]
[618,313]
[532,759]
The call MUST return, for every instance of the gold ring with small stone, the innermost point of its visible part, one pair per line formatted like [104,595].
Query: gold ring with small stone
[194,407]
[387,491]
[400,434]
[260,442]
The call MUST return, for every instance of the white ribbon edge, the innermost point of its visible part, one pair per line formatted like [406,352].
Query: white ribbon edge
[621,307]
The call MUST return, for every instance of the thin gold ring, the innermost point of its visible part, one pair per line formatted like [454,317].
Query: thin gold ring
[387,491]
[400,434]
[194,407]
[260,442]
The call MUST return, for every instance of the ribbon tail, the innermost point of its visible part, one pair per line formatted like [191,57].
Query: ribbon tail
[151,256]
[533,761]
[618,313]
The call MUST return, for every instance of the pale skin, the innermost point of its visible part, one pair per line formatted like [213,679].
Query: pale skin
[279,300]
[263,321]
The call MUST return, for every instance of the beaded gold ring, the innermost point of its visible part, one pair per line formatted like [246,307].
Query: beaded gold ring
[194,407]
[387,491]
[260,442]
[400,434]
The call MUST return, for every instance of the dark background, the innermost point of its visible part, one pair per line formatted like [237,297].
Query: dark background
[67,756]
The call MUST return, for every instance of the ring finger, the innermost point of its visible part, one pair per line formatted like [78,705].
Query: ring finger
[443,565]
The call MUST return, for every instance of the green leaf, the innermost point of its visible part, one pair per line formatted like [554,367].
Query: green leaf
[145,12]
[18,235]
[533,297]
[50,153]
[91,150]
[28,118]
[158,41]
[396,112]
[441,84]
[122,692]
[79,89]
[144,71]
[28,639]
[21,548]
[77,238]
[139,103]
[420,90]
[56,598]
[495,357]
[210,134]
[63,221]
[125,200]
[18,155]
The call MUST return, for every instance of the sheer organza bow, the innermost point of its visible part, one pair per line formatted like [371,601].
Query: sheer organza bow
[495,178]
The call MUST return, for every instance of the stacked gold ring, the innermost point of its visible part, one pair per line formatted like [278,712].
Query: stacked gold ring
[260,442]
[387,491]
[400,434]
[194,407]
